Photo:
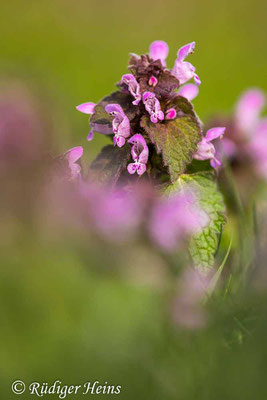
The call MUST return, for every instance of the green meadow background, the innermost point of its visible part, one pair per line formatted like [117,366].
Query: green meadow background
[61,319]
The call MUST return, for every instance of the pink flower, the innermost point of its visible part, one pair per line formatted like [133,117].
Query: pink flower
[189,91]
[257,148]
[152,105]
[133,87]
[120,124]
[174,218]
[206,150]
[139,154]
[72,156]
[183,70]
[248,111]
[159,51]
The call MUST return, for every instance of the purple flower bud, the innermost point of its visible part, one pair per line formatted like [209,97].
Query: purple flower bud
[139,154]
[152,106]
[133,87]
[86,108]
[120,124]
[206,150]
[183,70]
[159,51]
[72,156]
[170,114]
[189,91]
[153,81]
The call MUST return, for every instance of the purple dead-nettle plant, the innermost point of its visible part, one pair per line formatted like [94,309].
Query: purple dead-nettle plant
[158,137]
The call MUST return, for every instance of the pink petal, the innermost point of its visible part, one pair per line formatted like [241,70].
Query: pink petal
[215,163]
[86,108]
[214,133]
[197,80]
[132,168]
[189,91]
[184,51]
[74,154]
[141,169]
[248,110]
[120,141]
[159,50]
[137,138]
[90,135]
[111,108]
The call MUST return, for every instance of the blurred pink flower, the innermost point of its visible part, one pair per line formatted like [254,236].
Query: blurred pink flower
[174,218]
[187,310]
[72,156]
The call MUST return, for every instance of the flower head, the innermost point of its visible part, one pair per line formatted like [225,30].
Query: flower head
[183,70]
[120,124]
[139,154]
[159,50]
[133,87]
[72,156]
[206,150]
[152,106]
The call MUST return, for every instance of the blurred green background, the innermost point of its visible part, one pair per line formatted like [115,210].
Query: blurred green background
[60,320]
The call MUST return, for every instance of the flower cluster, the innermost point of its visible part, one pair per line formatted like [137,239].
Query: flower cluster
[151,96]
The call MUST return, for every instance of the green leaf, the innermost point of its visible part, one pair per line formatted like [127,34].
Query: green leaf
[176,140]
[109,164]
[203,246]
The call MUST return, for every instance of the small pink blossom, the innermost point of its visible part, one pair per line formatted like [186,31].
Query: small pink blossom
[139,154]
[170,114]
[133,87]
[152,105]
[153,81]
[183,70]
[72,156]
[120,124]
[206,150]
[159,50]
